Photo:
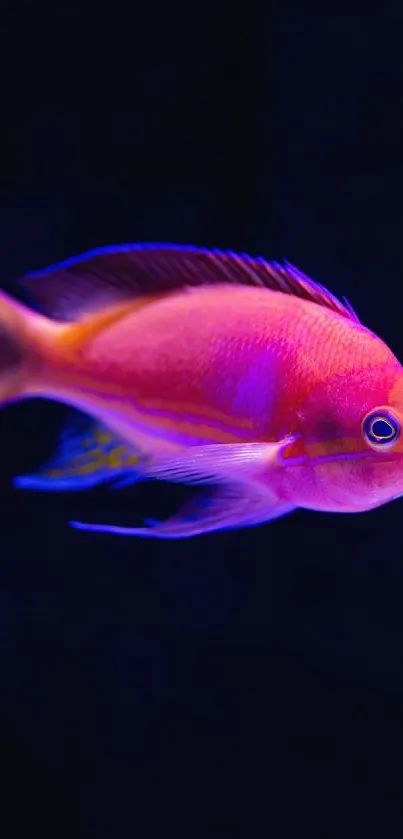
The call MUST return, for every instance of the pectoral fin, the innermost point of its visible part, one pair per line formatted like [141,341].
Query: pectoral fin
[230,462]
[214,508]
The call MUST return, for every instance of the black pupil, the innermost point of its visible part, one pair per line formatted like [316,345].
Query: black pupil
[383,430]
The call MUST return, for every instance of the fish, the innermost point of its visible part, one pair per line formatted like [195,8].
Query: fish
[238,376]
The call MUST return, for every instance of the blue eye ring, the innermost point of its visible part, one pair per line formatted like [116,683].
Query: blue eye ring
[381,429]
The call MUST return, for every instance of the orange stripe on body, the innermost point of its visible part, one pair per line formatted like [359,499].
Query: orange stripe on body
[67,373]
[318,450]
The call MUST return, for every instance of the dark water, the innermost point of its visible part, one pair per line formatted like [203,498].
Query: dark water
[246,684]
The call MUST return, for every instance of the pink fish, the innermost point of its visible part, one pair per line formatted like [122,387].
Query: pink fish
[211,368]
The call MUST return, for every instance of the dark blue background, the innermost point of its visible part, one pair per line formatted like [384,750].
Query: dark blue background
[246,684]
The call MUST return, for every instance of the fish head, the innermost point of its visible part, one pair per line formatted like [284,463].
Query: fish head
[352,432]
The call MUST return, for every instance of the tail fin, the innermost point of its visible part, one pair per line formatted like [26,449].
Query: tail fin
[19,348]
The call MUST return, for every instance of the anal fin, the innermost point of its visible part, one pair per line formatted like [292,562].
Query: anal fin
[88,454]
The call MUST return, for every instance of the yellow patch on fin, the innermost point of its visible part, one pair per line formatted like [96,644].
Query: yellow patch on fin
[88,454]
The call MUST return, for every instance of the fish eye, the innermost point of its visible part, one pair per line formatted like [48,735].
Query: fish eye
[381,429]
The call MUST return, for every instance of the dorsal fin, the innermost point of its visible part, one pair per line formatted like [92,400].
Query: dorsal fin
[97,278]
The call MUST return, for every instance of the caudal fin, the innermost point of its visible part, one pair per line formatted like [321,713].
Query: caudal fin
[18,348]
